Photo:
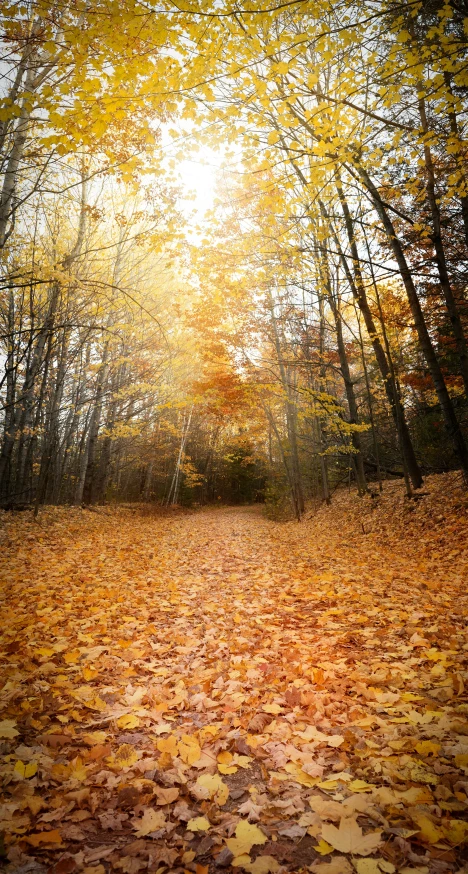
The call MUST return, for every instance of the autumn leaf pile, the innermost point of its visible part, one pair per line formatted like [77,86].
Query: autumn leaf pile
[216,692]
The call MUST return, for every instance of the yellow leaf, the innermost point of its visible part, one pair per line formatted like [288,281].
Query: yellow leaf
[428,832]
[128,720]
[273,137]
[168,745]
[151,821]
[323,848]
[209,731]
[227,769]
[189,749]
[198,824]
[71,658]
[247,835]
[301,777]
[215,788]
[126,756]
[97,703]
[77,770]
[415,795]
[360,786]
[7,729]
[25,770]
[242,761]
[89,673]
[93,738]
[241,861]
[427,748]
[327,784]
[224,757]
[348,838]
[456,831]
[272,708]
[335,740]
[461,760]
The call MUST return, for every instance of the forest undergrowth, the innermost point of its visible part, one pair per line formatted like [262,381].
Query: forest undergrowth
[213,691]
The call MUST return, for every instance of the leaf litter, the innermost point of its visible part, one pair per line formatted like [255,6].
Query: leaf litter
[216,692]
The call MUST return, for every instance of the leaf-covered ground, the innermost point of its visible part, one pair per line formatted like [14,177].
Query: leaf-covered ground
[213,691]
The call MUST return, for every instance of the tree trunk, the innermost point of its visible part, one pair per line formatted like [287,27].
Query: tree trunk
[88,491]
[346,374]
[359,293]
[448,410]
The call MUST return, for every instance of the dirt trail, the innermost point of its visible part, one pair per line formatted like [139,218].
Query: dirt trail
[214,691]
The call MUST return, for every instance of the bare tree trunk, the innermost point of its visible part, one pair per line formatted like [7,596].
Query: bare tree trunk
[334,304]
[425,342]
[359,293]
[86,491]
[444,279]
[369,403]
[173,495]
[291,420]
[9,422]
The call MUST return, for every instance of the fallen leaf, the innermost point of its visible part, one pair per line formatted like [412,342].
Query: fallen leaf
[7,729]
[198,824]
[37,839]
[151,821]
[263,865]
[247,836]
[126,756]
[349,838]
[214,788]
[323,848]
[166,796]
[128,720]
[25,770]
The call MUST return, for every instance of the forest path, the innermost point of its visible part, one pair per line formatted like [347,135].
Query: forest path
[181,687]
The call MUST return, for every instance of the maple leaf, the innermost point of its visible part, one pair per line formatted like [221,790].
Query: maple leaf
[247,836]
[7,729]
[151,821]
[198,824]
[272,708]
[212,786]
[348,838]
[77,770]
[25,770]
[126,756]
[189,749]
[250,809]
[166,796]
[128,720]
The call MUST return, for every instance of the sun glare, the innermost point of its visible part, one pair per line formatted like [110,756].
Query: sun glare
[198,176]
